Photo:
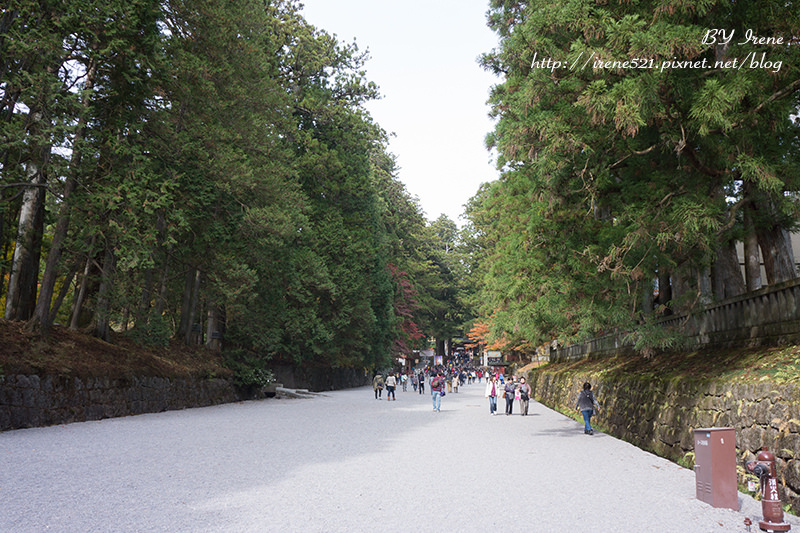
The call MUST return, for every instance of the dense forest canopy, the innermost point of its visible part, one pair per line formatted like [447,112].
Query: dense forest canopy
[638,146]
[207,171]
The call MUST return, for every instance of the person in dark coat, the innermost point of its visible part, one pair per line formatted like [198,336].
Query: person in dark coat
[587,404]
[510,389]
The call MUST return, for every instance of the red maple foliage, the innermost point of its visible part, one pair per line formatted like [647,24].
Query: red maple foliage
[405,304]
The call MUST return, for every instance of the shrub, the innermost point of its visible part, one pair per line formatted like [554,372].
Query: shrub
[249,370]
[155,331]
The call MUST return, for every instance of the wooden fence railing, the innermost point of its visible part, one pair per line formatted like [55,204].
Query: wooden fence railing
[768,316]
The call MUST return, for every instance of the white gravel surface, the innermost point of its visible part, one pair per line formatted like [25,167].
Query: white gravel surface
[344,462]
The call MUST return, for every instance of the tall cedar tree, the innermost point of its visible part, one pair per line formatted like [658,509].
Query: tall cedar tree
[616,176]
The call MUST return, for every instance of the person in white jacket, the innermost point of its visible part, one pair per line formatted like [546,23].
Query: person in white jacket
[491,393]
[391,384]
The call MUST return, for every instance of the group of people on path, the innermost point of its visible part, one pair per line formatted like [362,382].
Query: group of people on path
[515,389]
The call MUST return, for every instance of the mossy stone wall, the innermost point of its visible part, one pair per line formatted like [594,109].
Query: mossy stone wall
[661,415]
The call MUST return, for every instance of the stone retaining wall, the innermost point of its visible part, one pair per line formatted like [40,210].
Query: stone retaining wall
[31,400]
[321,379]
[660,416]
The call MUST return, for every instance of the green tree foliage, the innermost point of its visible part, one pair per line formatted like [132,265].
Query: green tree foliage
[446,308]
[215,175]
[625,164]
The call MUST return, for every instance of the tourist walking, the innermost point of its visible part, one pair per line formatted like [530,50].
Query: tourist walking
[421,382]
[404,381]
[509,391]
[491,393]
[391,384]
[587,404]
[377,385]
[524,391]
[437,391]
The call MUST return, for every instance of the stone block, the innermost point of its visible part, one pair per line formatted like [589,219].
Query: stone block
[5,417]
[707,402]
[35,417]
[29,397]
[724,420]
[792,394]
[47,385]
[5,394]
[769,438]
[96,396]
[763,412]
[791,474]
[669,435]
[94,412]
[110,411]
[780,415]
[787,446]
[751,438]
[19,417]
[748,413]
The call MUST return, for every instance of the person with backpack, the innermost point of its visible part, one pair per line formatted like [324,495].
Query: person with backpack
[377,385]
[437,391]
[421,381]
[587,404]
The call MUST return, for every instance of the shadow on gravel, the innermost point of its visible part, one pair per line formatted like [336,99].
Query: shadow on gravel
[564,432]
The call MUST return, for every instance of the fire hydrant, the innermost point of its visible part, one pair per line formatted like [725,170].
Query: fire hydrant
[764,468]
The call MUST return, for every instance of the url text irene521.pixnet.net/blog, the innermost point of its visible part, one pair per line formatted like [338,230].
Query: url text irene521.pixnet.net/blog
[714,37]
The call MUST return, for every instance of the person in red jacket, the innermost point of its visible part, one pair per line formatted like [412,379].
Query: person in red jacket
[437,390]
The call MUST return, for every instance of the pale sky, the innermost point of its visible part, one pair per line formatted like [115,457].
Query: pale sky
[424,59]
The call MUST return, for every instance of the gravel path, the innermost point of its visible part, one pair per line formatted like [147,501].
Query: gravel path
[343,461]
